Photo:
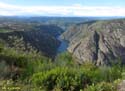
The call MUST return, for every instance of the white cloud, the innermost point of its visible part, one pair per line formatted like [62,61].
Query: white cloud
[74,10]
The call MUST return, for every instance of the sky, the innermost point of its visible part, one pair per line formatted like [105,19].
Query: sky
[62,7]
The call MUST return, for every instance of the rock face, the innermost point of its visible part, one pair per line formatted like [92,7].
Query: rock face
[101,42]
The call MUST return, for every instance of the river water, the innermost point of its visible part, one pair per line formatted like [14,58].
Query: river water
[63,46]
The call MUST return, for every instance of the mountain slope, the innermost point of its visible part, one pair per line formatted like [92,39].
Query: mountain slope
[99,42]
[42,38]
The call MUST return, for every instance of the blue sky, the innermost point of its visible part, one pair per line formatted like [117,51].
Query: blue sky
[67,2]
[63,7]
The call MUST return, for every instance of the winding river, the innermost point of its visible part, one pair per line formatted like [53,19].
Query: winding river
[63,46]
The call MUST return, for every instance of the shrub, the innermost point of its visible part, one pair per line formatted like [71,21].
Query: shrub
[102,86]
[63,78]
[107,74]
[65,59]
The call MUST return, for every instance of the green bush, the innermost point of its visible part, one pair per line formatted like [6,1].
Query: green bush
[76,77]
[63,78]
[108,74]
[64,59]
[102,86]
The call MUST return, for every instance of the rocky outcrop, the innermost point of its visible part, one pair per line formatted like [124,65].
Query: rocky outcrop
[102,42]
